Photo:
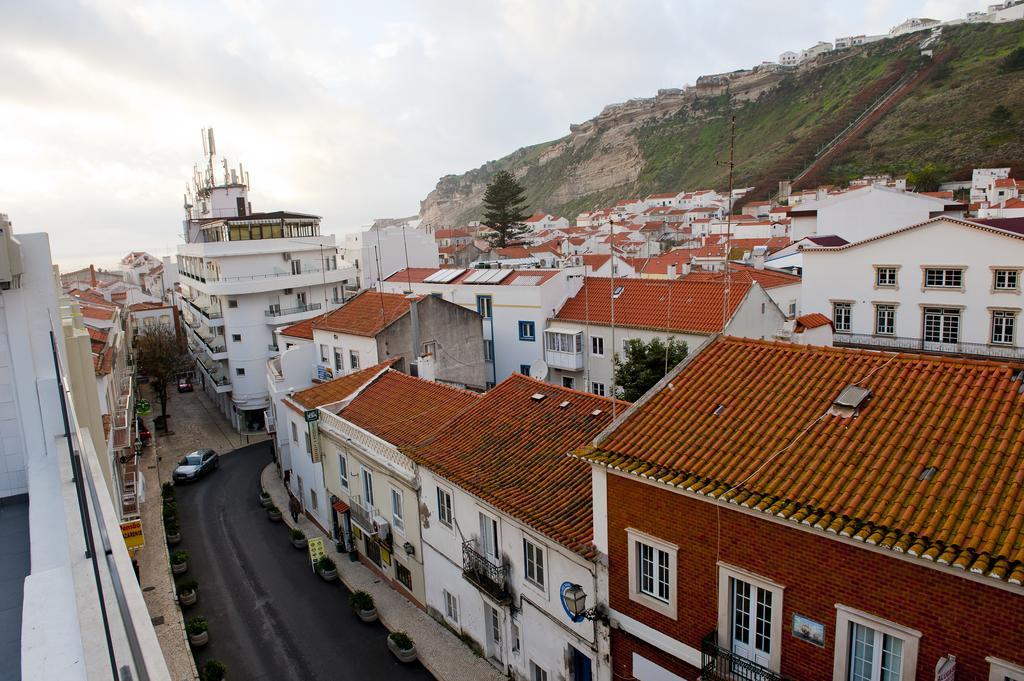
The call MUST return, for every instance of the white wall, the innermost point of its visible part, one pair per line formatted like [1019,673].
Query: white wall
[866,212]
[393,247]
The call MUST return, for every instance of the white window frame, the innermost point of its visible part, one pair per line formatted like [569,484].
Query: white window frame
[1001,669]
[597,346]
[946,271]
[295,432]
[482,518]
[450,507]
[353,360]
[598,388]
[539,560]
[1003,314]
[886,307]
[667,608]
[343,471]
[397,513]
[845,616]
[451,606]
[887,268]
[366,486]
[849,315]
[324,359]
[727,572]
[537,673]
[996,271]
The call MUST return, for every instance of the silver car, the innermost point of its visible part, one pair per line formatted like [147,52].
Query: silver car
[195,465]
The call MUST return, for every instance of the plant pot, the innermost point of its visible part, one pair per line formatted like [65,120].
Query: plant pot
[369,616]
[174,539]
[275,516]
[405,656]
[179,568]
[300,543]
[265,501]
[187,598]
[200,640]
[328,575]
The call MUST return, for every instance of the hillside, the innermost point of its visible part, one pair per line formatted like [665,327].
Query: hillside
[941,115]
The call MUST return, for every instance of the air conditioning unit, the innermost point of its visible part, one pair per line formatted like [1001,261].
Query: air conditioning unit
[286,256]
[381,528]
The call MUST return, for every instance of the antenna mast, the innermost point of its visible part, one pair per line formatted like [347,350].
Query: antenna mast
[728,223]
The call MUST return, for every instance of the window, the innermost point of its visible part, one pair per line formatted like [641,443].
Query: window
[842,316]
[792,308]
[568,382]
[339,365]
[483,306]
[869,648]
[323,353]
[232,302]
[396,510]
[236,338]
[451,607]
[295,432]
[342,470]
[313,501]
[444,507]
[300,299]
[597,346]
[885,320]
[353,359]
[527,331]
[1005,280]
[1004,324]
[750,616]
[515,638]
[652,570]
[367,480]
[488,536]
[1000,670]
[885,277]
[563,342]
[533,556]
[524,369]
[943,278]
[296,267]
[941,325]
[537,673]
[598,389]
[488,350]
[239,371]
[309,444]
[403,575]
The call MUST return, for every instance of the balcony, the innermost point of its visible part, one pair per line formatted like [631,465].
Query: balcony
[721,664]
[211,315]
[563,350]
[285,311]
[370,520]
[216,349]
[478,570]
[221,383]
[900,343]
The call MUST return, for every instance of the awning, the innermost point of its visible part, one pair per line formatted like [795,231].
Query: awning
[340,506]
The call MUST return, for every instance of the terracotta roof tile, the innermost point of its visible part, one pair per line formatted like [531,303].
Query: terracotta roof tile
[812,321]
[336,390]
[367,314]
[767,278]
[96,312]
[303,329]
[748,421]
[509,450]
[675,304]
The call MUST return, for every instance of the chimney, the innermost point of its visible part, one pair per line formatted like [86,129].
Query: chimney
[757,256]
[901,184]
[92,275]
[686,268]
[820,193]
[672,271]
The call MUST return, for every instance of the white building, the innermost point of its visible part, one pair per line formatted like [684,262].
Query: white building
[514,304]
[912,25]
[542,221]
[982,179]
[944,285]
[508,529]
[389,249]
[244,274]
[581,342]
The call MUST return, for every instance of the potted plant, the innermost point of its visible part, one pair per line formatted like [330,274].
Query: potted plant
[198,634]
[214,670]
[274,513]
[188,592]
[173,532]
[401,646]
[265,500]
[179,562]
[167,490]
[362,603]
[299,539]
[170,511]
[326,569]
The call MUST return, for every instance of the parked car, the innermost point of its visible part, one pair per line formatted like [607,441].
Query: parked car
[195,465]
[184,385]
[144,435]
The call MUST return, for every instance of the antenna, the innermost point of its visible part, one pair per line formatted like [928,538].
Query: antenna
[213,147]
[408,274]
[539,370]
[205,151]
[728,223]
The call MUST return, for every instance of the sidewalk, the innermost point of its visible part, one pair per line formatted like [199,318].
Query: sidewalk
[439,650]
[194,423]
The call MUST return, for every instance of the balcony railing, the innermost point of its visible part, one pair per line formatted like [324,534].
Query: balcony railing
[208,312]
[483,574]
[721,664]
[282,311]
[982,350]
[573,361]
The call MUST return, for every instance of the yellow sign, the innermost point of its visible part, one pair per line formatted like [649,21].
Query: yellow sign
[385,556]
[132,532]
[316,550]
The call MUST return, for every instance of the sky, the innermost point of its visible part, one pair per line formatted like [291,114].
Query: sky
[348,110]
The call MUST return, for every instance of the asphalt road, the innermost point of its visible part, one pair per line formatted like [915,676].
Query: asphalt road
[270,616]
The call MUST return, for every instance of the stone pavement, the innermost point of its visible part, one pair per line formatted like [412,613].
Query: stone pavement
[438,649]
[194,423]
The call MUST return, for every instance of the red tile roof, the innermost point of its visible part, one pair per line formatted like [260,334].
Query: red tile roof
[812,321]
[669,195]
[509,450]
[767,278]
[681,305]
[303,329]
[1005,182]
[90,311]
[146,306]
[404,410]
[932,466]
[367,314]
[450,234]
[337,390]
[595,260]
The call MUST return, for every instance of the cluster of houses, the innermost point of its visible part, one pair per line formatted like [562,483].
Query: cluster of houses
[826,487]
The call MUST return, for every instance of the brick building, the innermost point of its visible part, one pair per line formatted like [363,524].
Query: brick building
[791,512]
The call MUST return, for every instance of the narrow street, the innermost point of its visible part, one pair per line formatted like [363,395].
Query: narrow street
[270,616]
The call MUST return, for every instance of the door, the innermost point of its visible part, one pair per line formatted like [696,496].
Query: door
[751,615]
[302,497]
[493,620]
[580,666]
[489,537]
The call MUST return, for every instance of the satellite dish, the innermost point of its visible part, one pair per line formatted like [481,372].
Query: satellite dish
[539,370]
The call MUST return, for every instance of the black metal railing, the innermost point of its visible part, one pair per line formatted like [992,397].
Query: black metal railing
[481,572]
[861,340]
[721,664]
[280,312]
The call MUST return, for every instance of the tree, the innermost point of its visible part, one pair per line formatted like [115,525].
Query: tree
[162,356]
[505,209]
[1013,61]
[645,365]
[926,178]
[1000,115]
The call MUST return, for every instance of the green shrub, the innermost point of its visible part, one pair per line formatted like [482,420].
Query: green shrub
[185,587]
[325,564]
[167,490]
[196,625]
[360,600]
[179,557]
[214,670]
[401,639]
[298,534]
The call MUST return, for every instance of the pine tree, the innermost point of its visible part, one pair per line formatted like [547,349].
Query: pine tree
[505,209]
[645,364]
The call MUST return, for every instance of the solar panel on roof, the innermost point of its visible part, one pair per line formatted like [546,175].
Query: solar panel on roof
[443,276]
[475,276]
[496,276]
[526,280]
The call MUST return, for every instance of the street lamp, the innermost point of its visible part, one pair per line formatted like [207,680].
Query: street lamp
[574,600]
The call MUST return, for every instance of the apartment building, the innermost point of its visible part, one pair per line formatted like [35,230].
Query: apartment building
[379,251]
[775,511]
[243,275]
[954,287]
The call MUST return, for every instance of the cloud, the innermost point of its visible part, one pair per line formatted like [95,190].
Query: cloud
[348,110]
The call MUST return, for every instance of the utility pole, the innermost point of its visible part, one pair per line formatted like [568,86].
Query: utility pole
[728,220]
